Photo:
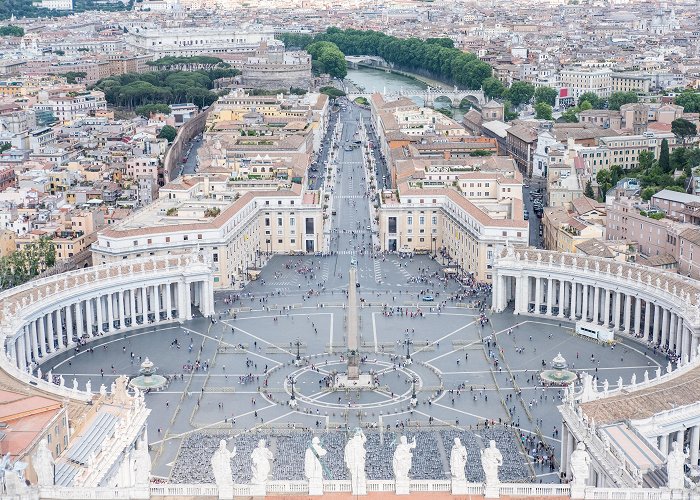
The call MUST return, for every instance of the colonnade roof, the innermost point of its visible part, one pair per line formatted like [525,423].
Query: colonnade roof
[644,403]
[685,288]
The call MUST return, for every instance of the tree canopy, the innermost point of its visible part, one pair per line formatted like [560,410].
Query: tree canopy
[162,87]
[493,88]
[26,8]
[11,30]
[546,94]
[690,100]
[326,57]
[683,128]
[168,132]
[188,63]
[520,93]
[150,109]
[432,56]
[332,92]
[543,111]
[619,99]
[24,264]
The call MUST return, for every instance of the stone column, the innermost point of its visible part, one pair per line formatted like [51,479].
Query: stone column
[647,319]
[637,315]
[673,340]
[693,345]
[666,315]
[663,444]
[157,301]
[50,333]
[100,316]
[584,304]
[618,310]
[606,317]
[188,301]
[685,338]
[181,309]
[168,301]
[79,325]
[596,305]
[42,338]
[22,352]
[121,308]
[657,323]
[628,314]
[110,311]
[90,317]
[132,306]
[562,287]
[33,339]
[550,296]
[144,305]
[564,458]
[573,297]
[538,294]
[69,325]
[694,444]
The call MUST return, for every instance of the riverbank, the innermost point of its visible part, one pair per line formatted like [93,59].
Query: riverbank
[420,78]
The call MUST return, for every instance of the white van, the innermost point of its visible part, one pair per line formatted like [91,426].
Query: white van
[601,333]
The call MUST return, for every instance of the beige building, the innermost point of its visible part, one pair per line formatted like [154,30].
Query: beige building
[580,80]
[564,228]
[234,231]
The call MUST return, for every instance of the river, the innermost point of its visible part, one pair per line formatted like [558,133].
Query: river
[378,80]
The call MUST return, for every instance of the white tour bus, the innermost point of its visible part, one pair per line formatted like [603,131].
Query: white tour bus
[600,333]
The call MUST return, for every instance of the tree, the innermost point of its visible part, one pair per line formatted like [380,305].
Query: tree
[520,93]
[11,30]
[604,179]
[546,94]
[493,88]
[683,129]
[664,159]
[591,97]
[4,146]
[646,160]
[648,192]
[168,132]
[332,92]
[618,99]
[148,110]
[585,106]
[690,100]
[73,76]
[569,116]
[543,111]
[588,192]
[508,113]
[326,57]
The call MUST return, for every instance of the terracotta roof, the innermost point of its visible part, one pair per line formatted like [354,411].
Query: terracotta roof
[644,403]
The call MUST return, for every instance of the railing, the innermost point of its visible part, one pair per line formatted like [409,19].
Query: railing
[180,490]
[635,494]
[536,490]
[287,487]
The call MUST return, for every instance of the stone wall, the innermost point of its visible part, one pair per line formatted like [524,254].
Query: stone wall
[192,128]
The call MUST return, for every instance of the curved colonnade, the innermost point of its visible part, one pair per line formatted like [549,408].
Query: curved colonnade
[46,317]
[655,307]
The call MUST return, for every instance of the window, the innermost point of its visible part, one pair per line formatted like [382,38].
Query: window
[185,238]
[149,241]
[409,220]
[279,241]
[136,242]
[199,236]
[167,239]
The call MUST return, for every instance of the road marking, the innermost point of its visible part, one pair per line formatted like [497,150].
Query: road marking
[374,330]
[443,338]
[330,343]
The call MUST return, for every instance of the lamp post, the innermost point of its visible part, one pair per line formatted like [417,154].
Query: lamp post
[292,399]
[414,398]
[298,346]
[407,341]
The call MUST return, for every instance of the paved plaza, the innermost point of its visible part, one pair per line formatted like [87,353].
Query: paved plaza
[234,376]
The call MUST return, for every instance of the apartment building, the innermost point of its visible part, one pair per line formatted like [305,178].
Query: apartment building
[565,228]
[624,150]
[580,80]
[630,82]
[68,106]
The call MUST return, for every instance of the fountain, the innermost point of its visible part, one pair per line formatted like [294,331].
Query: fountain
[148,378]
[558,373]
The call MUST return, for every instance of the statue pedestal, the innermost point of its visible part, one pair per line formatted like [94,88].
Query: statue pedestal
[225,492]
[257,490]
[578,490]
[315,487]
[459,486]
[491,491]
[359,487]
[403,486]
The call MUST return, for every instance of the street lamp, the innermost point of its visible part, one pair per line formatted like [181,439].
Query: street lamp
[407,341]
[292,399]
[298,345]
[414,398]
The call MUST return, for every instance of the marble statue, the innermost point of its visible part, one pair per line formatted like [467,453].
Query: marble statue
[38,373]
[103,390]
[260,463]
[43,464]
[491,460]
[221,464]
[675,464]
[634,379]
[119,392]
[354,455]
[646,375]
[580,465]
[658,371]
[75,384]
[88,387]
[313,469]
[606,385]
[141,460]
[62,381]
[14,484]
[458,460]
[403,458]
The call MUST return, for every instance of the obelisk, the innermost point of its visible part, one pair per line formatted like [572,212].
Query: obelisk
[353,355]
